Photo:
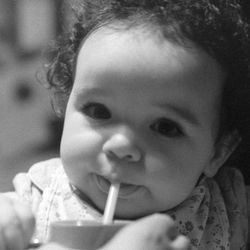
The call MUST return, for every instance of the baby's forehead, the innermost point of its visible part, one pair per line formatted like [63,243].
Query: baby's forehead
[119,41]
[123,58]
[138,32]
[108,39]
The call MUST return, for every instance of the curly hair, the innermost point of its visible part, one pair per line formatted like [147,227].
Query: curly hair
[219,27]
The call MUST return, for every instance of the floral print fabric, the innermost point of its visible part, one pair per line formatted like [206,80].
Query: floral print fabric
[214,216]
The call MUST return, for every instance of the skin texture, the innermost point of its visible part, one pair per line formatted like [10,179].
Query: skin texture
[143,112]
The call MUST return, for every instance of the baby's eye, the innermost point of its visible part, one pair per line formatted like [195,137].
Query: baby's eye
[96,111]
[166,127]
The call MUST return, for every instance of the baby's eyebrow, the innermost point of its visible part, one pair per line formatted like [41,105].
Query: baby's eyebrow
[90,91]
[184,112]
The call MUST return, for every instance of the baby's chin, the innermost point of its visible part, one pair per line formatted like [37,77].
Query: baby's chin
[126,209]
[122,212]
[133,213]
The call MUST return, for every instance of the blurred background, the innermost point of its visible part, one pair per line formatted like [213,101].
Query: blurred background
[29,130]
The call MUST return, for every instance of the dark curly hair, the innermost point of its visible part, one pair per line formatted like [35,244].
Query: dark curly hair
[220,27]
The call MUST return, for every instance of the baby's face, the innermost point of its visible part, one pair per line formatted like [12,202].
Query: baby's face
[144,112]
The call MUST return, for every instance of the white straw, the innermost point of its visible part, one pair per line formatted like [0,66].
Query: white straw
[111,203]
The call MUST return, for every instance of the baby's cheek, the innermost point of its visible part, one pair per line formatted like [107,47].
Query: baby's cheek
[155,164]
[85,143]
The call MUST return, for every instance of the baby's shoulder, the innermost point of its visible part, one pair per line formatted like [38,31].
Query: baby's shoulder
[30,186]
[235,195]
[42,173]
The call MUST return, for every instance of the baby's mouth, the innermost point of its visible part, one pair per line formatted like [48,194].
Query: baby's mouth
[125,189]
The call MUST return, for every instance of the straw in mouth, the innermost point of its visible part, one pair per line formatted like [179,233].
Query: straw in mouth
[111,203]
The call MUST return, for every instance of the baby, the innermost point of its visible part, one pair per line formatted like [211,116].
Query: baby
[154,96]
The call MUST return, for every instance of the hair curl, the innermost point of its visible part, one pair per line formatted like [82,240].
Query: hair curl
[220,27]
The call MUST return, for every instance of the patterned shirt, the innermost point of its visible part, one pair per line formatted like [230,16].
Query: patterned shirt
[214,216]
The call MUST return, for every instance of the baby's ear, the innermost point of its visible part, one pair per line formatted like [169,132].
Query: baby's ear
[223,149]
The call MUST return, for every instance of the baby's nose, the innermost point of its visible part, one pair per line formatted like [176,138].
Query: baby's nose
[122,147]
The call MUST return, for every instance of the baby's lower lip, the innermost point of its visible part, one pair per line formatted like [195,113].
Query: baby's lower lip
[125,189]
